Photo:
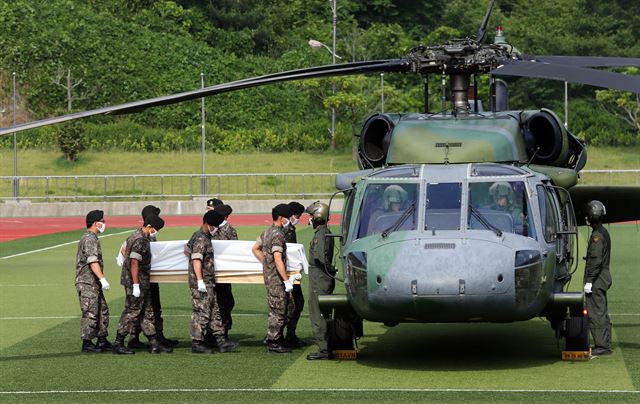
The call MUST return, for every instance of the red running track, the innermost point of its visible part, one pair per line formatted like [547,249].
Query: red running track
[21,227]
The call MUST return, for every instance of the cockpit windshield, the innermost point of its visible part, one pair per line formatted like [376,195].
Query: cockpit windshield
[500,205]
[383,206]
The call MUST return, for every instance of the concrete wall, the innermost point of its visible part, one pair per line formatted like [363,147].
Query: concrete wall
[25,208]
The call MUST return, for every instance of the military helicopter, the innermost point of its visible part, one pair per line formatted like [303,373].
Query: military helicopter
[458,215]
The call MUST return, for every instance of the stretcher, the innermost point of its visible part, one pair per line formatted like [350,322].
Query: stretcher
[233,259]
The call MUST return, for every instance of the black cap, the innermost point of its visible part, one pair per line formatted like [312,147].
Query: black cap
[282,210]
[94,216]
[224,210]
[212,203]
[150,210]
[154,221]
[296,208]
[212,218]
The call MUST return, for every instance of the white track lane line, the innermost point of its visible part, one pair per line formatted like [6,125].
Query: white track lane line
[59,245]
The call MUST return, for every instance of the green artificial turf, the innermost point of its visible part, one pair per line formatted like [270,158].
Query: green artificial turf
[490,361]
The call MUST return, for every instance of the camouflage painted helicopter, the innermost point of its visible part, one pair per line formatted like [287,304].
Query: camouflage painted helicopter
[460,215]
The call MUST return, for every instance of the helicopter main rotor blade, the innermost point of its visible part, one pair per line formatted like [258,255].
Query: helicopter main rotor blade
[587,61]
[485,21]
[390,65]
[572,74]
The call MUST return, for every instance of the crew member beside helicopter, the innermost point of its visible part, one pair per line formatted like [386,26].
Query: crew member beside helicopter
[292,340]
[597,279]
[321,276]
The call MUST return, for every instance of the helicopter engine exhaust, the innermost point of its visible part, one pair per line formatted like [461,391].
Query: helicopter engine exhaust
[546,139]
[375,139]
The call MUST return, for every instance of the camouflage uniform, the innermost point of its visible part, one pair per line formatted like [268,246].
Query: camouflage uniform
[597,273]
[271,241]
[297,296]
[95,312]
[137,310]
[224,294]
[321,282]
[205,315]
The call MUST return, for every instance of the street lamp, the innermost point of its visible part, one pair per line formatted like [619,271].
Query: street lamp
[317,45]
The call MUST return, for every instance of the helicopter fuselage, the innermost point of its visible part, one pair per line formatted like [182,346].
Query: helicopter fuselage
[430,243]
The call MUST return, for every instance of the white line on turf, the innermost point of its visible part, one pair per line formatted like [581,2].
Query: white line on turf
[58,245]
[72,317]
[277,390]
[176,315]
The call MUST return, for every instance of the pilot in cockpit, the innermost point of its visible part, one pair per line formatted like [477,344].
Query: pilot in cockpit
[503,200]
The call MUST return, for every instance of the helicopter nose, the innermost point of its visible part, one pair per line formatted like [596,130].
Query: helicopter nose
[443,280]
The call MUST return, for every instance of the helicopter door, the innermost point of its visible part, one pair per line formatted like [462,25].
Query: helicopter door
[549,215]
[567,234]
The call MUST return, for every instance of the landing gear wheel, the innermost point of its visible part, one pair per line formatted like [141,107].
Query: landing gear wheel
[577,333]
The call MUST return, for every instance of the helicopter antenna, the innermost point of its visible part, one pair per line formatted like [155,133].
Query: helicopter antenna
[485,21]
[444,89]
[532,157]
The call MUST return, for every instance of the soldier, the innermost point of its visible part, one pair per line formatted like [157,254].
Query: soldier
[597,279]
[321,276]
[212,203]
[90,282]
[135,279]
[206,314]
[292,340]
[502,195]
[271,249]
[134,339]
[224,294]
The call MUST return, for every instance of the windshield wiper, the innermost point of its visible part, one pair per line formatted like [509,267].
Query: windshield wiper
[484,221]
[405,215]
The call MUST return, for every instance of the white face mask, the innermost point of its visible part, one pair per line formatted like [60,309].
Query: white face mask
[310,221]
[285,222]
[153,235]
[212,229]
[223,223]
[103,228]
[294,220]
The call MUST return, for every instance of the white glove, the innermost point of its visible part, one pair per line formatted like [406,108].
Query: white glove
[201,286]
[587,288]
[136,290]
[288,285]
[120,259]
[105,284]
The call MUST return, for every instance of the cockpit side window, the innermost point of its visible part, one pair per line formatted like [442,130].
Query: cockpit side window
[443,206]
[501,204]
[548,215]
[383,207]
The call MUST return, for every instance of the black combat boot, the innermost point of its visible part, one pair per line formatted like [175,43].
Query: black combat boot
[224,345]
[166,341]
[209,340]
[119,348]
[157,347]
[292,340]
[200,347]
[320,355]
[104,344]
[88,347]
[277,347]
[135,343]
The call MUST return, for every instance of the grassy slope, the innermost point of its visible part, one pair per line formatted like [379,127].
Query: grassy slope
[37,162]
[436,356]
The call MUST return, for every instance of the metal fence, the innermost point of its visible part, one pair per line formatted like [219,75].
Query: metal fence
[167,186]
[188,186]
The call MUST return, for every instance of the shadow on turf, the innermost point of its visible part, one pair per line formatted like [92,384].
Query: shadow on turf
[44,356]
[460,347]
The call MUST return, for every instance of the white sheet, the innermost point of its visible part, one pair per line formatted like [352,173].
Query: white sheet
[167,257]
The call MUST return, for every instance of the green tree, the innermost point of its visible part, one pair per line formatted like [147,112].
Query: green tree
[70,137]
